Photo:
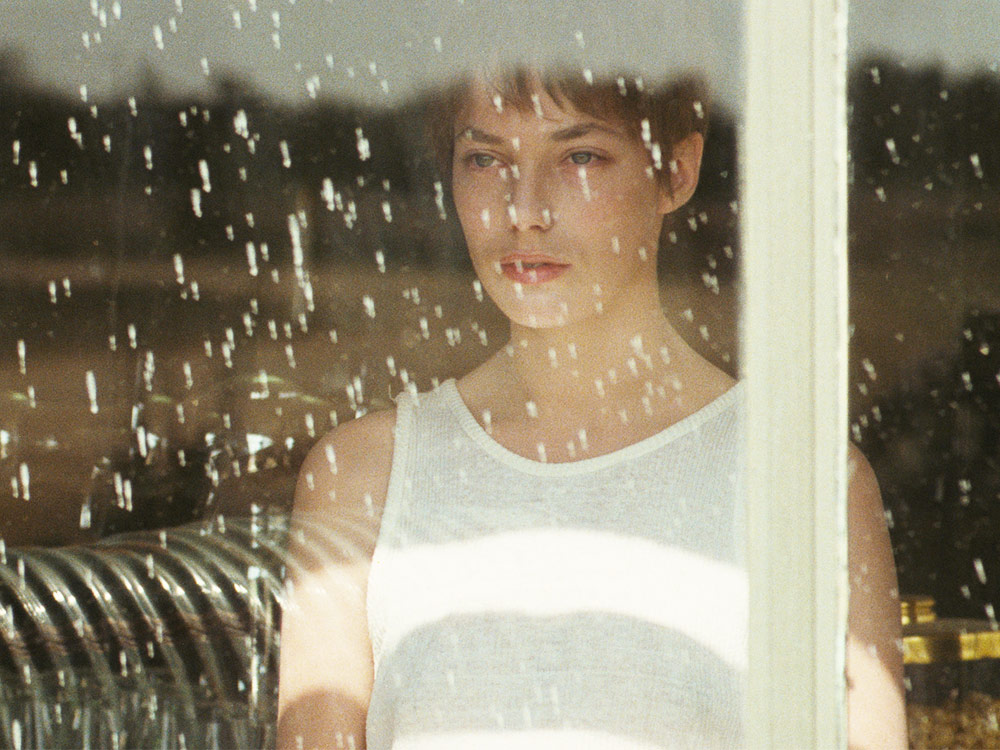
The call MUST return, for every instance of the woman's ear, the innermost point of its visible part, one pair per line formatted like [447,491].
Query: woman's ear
[684,166]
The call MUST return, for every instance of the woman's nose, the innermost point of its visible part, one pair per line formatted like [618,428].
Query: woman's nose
[527,202]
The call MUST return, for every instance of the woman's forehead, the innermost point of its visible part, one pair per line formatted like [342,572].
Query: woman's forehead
[487,102]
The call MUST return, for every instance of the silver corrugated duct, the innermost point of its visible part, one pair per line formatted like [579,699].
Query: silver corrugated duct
[156,639]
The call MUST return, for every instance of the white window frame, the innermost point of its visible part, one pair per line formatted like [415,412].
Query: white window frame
[794,338]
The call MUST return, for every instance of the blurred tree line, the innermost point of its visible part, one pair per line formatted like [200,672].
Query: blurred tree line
[262,158]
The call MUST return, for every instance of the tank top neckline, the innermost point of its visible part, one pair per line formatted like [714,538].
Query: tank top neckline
[448,391]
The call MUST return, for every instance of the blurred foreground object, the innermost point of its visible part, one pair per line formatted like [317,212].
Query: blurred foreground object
[161,639]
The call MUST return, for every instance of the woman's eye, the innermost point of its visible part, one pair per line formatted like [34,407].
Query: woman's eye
[582,157]
[483,160]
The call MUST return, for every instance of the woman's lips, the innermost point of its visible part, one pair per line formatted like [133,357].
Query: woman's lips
[532,269]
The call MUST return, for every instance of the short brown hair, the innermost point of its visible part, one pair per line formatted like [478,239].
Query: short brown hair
[671,110]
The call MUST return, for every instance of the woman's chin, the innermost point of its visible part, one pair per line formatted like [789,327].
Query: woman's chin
[543,317]
[551,307]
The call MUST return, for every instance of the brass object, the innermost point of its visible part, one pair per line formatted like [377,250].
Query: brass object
[917,609]
[950,640]
[928,640]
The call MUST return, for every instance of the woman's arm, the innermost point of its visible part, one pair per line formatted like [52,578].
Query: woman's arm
[875,707]
[326,670]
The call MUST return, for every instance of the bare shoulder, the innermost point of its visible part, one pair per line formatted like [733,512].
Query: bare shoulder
[865,511]
[326,669]
[875,706]
[348,468]
[874,596]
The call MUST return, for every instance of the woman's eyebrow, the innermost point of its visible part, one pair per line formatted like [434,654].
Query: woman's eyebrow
[475,134]
[582,129]
[563,134]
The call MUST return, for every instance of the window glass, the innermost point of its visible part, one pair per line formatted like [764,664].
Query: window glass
[925,102]
[225,235]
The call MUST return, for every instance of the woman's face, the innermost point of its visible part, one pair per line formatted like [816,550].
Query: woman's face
[560,210]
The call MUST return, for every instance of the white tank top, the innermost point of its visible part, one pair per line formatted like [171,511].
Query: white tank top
[597,603]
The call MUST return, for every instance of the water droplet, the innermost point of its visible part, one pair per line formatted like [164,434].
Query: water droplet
[206,184]
[364,148]
[711,281]
[25,477]
[890,144]
[869,369]
[977,167]
[657,155]
[92,391]
[149,369]
[536,104]
[645,132]
[581,173]
[251,253]
[980,570]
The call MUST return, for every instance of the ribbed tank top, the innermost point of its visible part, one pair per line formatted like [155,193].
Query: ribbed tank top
[596,603]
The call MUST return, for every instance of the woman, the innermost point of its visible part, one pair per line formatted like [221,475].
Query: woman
[559,556]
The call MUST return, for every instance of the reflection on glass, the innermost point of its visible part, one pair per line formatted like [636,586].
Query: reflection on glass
[204,274]
[925,345]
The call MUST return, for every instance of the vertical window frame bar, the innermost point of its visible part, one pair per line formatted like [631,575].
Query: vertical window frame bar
[794,338]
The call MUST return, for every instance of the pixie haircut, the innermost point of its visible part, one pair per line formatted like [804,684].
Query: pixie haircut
[661,115]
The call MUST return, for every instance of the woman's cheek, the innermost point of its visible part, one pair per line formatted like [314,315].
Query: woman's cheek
[469,201]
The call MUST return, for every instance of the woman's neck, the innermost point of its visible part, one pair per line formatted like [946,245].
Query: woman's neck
[587,367]
[615,380]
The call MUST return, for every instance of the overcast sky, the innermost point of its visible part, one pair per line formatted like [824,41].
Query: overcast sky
[379,50]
